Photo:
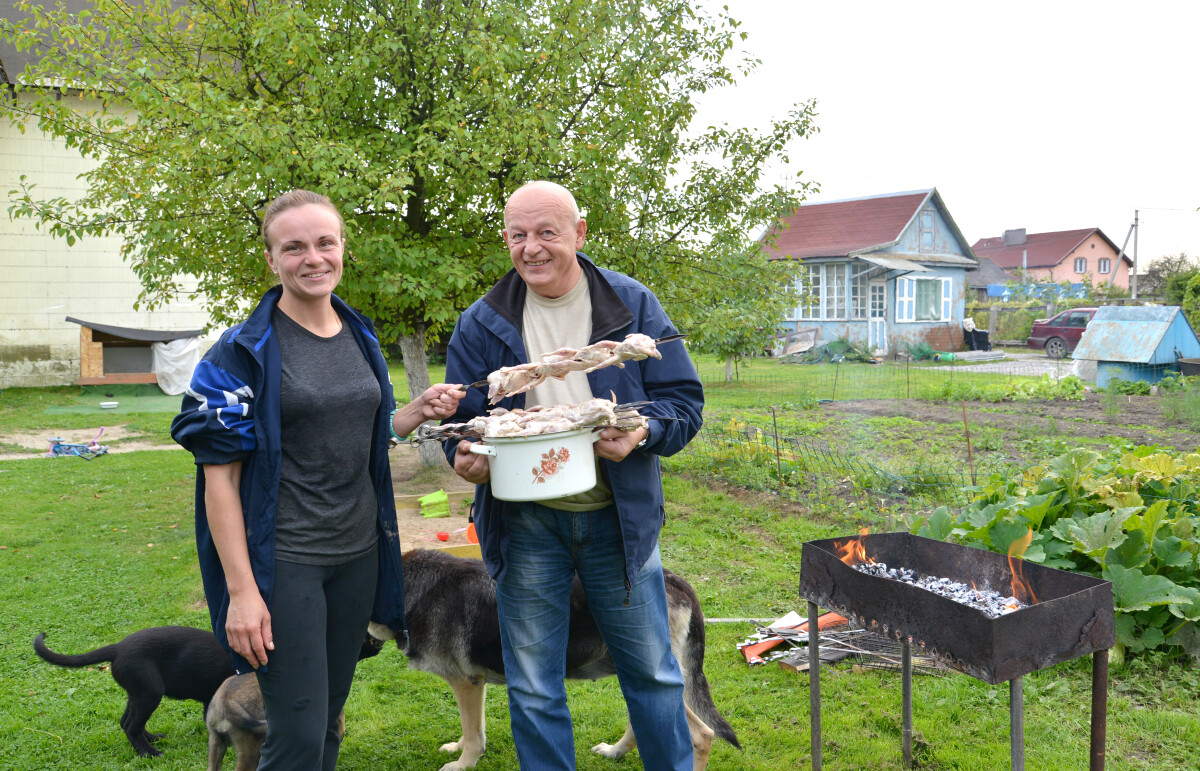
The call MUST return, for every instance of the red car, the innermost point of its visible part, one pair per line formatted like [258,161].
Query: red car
[1059,335]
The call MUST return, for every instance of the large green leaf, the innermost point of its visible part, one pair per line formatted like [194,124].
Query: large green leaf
[1098,533]
[1132,590]
[1132,553]
[1170,552]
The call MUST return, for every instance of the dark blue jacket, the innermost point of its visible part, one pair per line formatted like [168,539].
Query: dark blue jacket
[231,413]
[488,337]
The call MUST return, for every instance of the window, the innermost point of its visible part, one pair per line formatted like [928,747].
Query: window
[1081,264]
[858,296]
[1078,319]
[824,296]
[1105,266]
[928,227]
[922,299]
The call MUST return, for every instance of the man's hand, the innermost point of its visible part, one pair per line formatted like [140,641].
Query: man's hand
[614,444]
[471,467]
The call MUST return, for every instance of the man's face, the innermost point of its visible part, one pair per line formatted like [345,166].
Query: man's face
[542,237]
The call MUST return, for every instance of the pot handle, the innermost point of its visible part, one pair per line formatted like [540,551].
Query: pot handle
[482,449]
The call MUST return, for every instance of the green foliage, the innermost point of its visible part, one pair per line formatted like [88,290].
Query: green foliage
[1167,277]
[1025,390]
[417,119]
[1126,387]
[1127,516]
[1191,301]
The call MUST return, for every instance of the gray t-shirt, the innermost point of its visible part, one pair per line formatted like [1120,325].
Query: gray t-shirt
[329,399]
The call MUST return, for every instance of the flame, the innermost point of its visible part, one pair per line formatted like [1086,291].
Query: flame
[1020,587]
[852,551]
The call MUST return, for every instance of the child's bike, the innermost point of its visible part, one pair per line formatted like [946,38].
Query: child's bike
[60,447]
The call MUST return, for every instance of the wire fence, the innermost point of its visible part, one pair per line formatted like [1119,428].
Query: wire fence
[825,381]
[797,467]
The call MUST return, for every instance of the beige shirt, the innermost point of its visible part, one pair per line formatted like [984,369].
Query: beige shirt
[547,325]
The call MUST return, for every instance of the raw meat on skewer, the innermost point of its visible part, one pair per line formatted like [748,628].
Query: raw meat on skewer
[510,381]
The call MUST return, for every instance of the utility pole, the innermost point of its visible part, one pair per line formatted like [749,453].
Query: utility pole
[1133,279]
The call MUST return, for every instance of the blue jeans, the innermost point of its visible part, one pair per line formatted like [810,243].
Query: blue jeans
[546,549]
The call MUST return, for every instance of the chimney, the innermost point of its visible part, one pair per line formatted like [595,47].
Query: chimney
[1014,237]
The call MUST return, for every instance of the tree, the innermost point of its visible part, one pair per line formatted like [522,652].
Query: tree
[1168,276]
[418,118]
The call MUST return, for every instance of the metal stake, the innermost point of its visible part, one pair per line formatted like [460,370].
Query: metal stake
[1016,722]
[814,685]
[906,671]
[1099,708]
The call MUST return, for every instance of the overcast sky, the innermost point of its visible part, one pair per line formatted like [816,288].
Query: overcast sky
[1050,115]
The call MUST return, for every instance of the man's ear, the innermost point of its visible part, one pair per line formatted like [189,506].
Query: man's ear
[580,233]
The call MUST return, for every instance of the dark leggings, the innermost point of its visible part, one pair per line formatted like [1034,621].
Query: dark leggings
[319,618]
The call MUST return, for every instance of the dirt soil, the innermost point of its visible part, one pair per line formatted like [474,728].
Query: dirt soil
[1139,418]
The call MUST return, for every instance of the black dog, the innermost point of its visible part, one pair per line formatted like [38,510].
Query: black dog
[178,662]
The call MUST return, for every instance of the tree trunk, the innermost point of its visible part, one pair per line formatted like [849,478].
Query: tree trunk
[729,368]
[416,368]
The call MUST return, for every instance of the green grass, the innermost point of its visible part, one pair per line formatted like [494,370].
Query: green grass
[77,563]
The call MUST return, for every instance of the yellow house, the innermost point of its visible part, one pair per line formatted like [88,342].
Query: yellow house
[45,280]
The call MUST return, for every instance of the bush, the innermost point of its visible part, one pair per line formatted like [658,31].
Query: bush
[1128,516]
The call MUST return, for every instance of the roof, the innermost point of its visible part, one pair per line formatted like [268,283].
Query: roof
[987,273]
[1040,250]
[141,335]
[1136,334]
[856,226]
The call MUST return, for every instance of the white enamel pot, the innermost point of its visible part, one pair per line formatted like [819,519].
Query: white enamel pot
[541,467]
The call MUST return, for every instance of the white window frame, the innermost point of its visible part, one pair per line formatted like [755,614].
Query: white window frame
[1081,265]
[859,296]
[1104,266]
[906,299]
[824,297]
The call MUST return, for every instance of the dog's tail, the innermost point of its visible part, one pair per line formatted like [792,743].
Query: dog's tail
[696,692]
[107,653]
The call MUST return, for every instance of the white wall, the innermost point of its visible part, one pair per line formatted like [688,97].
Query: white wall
[42,280]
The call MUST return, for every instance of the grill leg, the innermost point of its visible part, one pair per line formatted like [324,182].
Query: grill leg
[814,685]
[906,670]
[1016,722]
[1099,708]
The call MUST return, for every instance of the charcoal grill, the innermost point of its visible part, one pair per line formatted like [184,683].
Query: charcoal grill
[1073,617]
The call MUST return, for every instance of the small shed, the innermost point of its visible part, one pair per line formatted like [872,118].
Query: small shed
[1141,342]
[109,355]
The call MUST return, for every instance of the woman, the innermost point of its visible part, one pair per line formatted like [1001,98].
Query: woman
[289,415]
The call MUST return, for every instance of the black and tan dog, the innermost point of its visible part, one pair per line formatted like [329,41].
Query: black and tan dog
[178,662]
[454,633]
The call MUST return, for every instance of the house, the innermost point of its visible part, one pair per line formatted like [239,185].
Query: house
[1137,342]
[884,270]
[1062,256]
[45,279]
[985,280]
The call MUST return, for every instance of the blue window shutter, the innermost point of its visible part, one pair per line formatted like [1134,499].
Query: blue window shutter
[946,314]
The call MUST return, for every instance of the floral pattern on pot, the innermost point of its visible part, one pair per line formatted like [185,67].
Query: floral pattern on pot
[551,461]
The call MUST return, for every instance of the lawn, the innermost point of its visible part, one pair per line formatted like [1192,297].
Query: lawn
[92,550]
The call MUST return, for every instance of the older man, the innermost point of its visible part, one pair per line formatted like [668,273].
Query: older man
[556,297]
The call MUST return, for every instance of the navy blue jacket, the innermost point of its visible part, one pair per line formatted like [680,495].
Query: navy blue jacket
[230,413]
[488,337]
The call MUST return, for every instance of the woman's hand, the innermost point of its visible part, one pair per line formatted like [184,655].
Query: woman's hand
[438,401]
[248,627]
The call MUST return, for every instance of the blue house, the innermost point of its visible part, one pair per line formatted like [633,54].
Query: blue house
[1137,342]
[883,270]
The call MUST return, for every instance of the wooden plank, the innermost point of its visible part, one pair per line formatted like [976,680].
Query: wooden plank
[120,378]
[91,357]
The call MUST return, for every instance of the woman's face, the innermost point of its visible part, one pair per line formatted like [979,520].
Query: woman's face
[306,251]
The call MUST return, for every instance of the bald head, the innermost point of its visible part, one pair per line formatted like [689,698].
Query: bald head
[544,193]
